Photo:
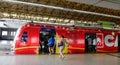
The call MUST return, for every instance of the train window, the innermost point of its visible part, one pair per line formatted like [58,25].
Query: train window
[4,33]
[12,33]
[24,37]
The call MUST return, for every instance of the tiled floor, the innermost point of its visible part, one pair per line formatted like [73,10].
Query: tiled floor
[71,59]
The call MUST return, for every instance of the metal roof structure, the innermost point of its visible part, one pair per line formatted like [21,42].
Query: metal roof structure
[61,11]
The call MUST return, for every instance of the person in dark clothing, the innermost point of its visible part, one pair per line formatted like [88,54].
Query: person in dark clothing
[24,37]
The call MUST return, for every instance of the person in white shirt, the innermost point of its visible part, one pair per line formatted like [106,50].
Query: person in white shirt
[61,46]
[94,44]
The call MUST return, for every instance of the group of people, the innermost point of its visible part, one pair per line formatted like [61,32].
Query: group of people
[92,44]
[61,45]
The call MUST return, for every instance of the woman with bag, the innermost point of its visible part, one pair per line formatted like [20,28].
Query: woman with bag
[61,45]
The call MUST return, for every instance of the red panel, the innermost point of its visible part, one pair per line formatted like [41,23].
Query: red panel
[33,40]
[76,42]
[107,42]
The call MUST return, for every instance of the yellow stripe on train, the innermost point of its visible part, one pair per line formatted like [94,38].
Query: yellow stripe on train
[26,47]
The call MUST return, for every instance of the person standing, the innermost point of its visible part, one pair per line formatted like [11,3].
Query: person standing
[61,45]
[94,44]
[90,44]
[24,38]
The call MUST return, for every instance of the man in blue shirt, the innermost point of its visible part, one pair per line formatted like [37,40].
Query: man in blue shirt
[24,37]
[51,42]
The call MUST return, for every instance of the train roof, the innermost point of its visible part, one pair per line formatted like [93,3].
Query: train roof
[73,25]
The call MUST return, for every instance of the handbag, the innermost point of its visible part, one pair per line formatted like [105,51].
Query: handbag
[60,44]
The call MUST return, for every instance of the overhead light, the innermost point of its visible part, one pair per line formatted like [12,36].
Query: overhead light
[28,16]
[85,22]
[89,22]
[14,15]
[79,21]
[117,26]
[5,14]
[59,19]
[45,18]
[94,23]
[52,19]
[66,20]
[72,21]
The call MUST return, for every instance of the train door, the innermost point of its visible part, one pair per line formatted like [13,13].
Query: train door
[118,43]
[90,40]
[45,34]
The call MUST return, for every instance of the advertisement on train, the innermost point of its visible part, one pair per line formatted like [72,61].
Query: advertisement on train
[107,42]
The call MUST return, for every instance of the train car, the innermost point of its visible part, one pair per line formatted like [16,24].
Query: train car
[32,38]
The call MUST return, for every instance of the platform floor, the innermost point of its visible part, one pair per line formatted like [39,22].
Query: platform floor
[70,59]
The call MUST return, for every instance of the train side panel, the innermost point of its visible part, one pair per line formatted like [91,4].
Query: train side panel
[107,41]
[75,40]
[59,32]
[34,40]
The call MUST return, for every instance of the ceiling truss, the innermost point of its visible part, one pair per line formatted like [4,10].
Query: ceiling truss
[26,12]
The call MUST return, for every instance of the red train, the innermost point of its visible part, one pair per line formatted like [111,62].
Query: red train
[32,38]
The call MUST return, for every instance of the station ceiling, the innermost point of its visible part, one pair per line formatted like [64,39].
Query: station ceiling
[61,11]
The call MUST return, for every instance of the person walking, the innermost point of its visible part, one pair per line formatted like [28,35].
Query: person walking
[61,45]
[51,42]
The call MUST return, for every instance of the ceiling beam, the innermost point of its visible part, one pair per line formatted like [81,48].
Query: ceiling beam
[61,8]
